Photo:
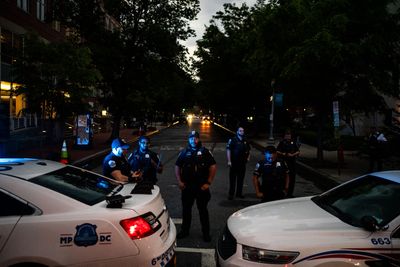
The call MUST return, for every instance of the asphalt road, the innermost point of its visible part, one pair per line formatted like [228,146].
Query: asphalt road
[193,251]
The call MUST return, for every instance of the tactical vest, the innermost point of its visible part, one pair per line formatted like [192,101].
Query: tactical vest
[194,169]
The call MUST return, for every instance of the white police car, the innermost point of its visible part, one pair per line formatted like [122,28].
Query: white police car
[53,214]
[354,224]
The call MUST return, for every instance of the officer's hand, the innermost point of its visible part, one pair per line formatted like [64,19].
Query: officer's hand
[181,185]
[137,176]
[205,187]
[259,194]
[229,164]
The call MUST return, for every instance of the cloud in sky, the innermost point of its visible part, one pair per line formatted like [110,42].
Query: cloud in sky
[208,9]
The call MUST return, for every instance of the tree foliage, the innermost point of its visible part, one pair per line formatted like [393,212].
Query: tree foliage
[56,77]
[142,61]
[317,51]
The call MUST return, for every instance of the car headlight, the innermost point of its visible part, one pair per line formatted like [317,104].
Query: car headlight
[268,256]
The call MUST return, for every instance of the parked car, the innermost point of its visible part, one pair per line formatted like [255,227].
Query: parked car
[59,215]
[354,224]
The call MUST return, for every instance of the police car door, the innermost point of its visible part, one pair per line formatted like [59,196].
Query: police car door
[395,239]
[12,208]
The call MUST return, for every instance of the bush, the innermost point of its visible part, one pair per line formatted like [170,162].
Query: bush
[329,143]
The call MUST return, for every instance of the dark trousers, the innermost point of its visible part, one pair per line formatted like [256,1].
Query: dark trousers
[202,197]
[375,160]
[292,177]
[275,193]
[236,178]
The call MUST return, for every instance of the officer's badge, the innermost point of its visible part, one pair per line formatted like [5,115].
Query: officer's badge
[147,156]
[198,153]
[112,163]
[257,165]
[278,164]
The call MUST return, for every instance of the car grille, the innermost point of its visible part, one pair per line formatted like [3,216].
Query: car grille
[226,244]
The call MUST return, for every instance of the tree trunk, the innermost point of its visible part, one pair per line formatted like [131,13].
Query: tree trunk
[320,151]
[115,128]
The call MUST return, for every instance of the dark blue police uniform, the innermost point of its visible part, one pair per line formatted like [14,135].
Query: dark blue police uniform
[145,163]
[289,146]
[112,162]
[240,150]
[273,176]
[194,164]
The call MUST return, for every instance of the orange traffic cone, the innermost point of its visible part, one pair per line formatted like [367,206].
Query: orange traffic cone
[64,153]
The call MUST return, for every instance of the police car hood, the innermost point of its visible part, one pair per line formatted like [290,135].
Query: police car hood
[287,224]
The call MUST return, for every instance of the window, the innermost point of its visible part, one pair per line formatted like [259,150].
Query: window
[23,4]
[11,206]
[369,195]
[40,10]
[78,184]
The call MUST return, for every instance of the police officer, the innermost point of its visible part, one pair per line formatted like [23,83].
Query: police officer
[270,177]
[237,154]
[288,150]
[195,169]
[145,161]
[115,164]
[376,149]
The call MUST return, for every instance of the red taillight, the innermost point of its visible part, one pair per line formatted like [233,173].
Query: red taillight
[137,227]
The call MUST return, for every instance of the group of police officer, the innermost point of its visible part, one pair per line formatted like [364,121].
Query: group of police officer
[195,169]
[141,165]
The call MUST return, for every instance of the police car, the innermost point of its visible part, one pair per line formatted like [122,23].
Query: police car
[53,214]
[354,224]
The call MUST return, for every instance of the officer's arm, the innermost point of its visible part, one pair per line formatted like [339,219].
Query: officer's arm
[286,182]
[257,186]
[178,177]
[279,150]
[117,175]
[211,173]
[228,157]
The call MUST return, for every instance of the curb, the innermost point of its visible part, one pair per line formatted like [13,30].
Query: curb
[90,162]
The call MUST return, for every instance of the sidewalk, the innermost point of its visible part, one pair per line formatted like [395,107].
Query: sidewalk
[79,156]
[328,172]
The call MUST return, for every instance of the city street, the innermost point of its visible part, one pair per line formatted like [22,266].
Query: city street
[193,250]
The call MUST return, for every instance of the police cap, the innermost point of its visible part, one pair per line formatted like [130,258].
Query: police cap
[118,142]
[194,134]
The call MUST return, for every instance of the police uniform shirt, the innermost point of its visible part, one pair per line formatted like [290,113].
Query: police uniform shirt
[287,146]
[240,149]
[272,175]
[142,161]
[194,164]
[111,163]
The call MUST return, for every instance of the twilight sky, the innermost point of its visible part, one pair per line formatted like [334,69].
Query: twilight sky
[208,9]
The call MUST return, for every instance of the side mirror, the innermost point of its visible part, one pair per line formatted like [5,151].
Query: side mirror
[369,223]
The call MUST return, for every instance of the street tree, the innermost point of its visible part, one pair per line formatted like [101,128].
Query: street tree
[56,79]
[146,40]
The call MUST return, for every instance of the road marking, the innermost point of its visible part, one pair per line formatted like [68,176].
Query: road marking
[207,255]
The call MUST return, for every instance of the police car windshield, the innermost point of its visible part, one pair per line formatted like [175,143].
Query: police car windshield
[84,186]
[367,196]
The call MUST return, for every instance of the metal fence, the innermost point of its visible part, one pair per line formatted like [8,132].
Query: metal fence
[27,121]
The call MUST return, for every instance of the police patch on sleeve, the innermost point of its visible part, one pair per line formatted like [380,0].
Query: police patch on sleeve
[112,163]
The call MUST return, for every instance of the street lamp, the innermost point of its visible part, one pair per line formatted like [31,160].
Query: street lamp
[271,116]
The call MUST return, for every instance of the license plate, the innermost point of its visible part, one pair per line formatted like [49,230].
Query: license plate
[164,258]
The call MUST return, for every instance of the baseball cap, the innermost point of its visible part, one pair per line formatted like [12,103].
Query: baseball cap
[118,142]
[194,134]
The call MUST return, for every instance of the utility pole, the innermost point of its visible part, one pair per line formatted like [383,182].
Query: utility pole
[271,116]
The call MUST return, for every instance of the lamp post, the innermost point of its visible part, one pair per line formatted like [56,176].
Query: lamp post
[271,116]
